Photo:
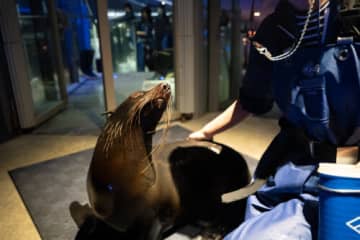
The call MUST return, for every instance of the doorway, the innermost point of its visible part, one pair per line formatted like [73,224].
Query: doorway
[142,48]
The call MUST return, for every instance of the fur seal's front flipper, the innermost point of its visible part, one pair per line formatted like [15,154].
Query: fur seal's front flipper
[243,192]
[79,212]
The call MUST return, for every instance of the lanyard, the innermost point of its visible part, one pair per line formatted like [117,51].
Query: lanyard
[264,51]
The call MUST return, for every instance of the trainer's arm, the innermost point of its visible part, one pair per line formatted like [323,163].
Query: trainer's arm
[230,117]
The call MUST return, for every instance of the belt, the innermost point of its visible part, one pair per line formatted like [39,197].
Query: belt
[323,151]
[289,137]
[317,151]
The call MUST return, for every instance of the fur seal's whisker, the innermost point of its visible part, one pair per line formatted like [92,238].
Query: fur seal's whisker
[162,141]
[146,168]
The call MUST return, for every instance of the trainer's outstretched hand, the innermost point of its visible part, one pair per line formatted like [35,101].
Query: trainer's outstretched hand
[199,135]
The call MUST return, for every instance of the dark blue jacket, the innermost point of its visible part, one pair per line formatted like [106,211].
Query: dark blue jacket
[267,82]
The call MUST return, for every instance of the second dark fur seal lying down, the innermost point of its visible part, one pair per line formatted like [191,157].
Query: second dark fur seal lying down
[139,191]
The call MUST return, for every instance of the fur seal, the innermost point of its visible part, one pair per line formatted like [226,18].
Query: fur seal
[137,188]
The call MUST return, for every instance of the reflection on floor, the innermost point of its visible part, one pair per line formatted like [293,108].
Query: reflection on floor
[76,129]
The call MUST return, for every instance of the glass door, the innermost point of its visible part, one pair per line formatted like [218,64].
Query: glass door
[226,52]
[40,42]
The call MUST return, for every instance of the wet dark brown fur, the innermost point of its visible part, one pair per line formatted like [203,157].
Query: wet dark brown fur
[141,190]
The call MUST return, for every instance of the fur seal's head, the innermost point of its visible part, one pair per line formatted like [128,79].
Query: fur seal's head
[156,101]
[144,108]
[141,111]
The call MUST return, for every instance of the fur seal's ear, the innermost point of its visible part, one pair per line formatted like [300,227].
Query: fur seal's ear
[80,213]
[107,114]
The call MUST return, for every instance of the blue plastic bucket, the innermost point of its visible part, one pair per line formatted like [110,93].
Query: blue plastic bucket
[339,202]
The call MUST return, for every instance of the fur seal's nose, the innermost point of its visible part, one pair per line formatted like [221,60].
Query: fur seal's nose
[165,86]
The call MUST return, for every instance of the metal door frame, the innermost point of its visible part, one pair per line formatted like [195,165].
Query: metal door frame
[106,55]
[214,8]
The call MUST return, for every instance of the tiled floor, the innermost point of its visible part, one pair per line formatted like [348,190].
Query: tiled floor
[51,141]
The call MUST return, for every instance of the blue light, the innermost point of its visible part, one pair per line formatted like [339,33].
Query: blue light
[24,10]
